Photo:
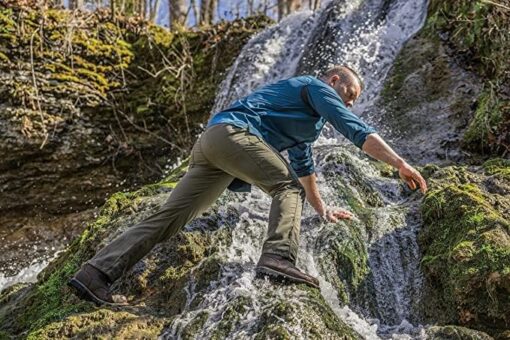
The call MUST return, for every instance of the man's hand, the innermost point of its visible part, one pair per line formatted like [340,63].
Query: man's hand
[412,177]
[376,147]
[334,214]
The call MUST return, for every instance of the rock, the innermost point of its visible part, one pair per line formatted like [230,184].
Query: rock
[455,333]
[465,243]
[79,136]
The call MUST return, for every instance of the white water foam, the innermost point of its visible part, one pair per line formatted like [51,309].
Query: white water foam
[369,44]
[27,274]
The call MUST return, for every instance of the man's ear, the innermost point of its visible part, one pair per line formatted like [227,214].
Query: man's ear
[334,78]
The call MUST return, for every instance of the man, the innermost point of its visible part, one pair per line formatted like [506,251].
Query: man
[242,144]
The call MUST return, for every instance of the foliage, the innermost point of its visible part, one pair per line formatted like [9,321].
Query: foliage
[478,32]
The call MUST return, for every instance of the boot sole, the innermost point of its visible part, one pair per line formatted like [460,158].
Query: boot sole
[85,294]
[279,275]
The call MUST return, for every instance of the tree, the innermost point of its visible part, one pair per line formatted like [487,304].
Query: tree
[177,13]
[285,7]
[153,9]
[207,9]
[74,4]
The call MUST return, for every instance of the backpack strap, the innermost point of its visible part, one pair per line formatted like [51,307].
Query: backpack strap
[304,97]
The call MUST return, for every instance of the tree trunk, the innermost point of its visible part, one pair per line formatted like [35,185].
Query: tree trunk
[285,7]
[177,13]
[281,9]
[153,10]
[75,4]
[207,8]
[112,9]
[212,10]
[250,7]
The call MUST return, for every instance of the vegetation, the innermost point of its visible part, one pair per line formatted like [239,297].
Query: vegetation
[478,32]
[466,246]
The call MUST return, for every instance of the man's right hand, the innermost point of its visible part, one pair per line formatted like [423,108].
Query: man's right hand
[412,177]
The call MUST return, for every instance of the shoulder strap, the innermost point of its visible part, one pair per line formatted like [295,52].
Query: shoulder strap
[304,97]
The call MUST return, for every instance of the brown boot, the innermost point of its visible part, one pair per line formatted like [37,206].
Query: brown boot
[280,267]
[91,284]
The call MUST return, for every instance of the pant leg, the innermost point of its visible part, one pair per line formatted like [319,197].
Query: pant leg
[195,192]
[252,160]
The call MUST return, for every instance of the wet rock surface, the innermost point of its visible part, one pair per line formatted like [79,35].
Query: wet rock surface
[405,262]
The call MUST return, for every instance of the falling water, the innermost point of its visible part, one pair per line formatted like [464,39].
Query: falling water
[367,35]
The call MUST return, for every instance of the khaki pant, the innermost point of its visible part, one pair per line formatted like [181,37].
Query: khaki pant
[220,154]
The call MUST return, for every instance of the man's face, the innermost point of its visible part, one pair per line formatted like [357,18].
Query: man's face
[348,91]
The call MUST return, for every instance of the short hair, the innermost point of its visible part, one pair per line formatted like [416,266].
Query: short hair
[343,72]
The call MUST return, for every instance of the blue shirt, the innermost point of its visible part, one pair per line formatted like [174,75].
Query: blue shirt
[278,114]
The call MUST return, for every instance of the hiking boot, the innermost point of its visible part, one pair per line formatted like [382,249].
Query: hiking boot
[93,285]
[280,267]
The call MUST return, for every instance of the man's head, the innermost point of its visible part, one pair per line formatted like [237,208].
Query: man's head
[346,82]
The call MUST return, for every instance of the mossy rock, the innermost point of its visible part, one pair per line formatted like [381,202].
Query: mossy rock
[466,246]
[314,317]
[102,105]
[478,33]
[447,92]
[102,324]
[455,333]
[155,285]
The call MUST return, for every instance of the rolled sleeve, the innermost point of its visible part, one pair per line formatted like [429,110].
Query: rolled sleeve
[301,159]
[327,103]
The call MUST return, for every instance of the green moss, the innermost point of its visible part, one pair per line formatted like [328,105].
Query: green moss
[498,166]
[345,262]
[230,317]
[455,333]
[415,57]
[470,34]
[312,316]
[478,29]
[466,248]
[51,299]
[194,327]
[486,128]
[101,324]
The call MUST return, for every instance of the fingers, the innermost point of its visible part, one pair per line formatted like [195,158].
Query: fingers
[414,179]
[423,184]
[417,181]
[411,184]
[335,215]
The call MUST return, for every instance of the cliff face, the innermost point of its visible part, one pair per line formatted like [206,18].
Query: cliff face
[447,97]
[89,108]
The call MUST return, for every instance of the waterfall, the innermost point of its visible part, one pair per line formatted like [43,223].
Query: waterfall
[367,35]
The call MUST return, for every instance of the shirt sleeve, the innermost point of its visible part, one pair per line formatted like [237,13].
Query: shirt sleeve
[301,159]
[328,104]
